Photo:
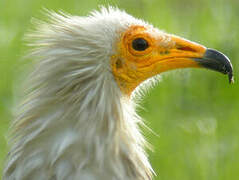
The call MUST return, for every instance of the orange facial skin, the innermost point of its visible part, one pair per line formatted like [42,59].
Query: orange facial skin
[165,52]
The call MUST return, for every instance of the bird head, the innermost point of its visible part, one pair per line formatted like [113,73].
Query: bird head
[111,43]
[144,51]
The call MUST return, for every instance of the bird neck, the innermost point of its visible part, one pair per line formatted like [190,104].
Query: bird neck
[108,133]
[94,129]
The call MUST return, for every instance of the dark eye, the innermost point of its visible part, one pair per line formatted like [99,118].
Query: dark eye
[140,44]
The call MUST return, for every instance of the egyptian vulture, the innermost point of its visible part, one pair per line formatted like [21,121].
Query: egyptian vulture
[78,119]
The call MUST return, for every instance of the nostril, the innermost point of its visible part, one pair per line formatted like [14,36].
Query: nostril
[186,48]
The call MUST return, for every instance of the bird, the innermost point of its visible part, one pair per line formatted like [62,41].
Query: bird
[77,119]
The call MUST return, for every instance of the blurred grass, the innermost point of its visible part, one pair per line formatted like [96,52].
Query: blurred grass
[195,112]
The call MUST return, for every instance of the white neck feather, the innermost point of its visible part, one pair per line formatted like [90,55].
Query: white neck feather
[75,124]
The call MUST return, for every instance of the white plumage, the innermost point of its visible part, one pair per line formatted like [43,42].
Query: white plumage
[78,120]
[75,124]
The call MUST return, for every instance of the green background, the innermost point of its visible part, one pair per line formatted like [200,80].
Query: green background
[194,112]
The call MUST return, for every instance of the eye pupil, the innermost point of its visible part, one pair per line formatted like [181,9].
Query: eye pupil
[140,44]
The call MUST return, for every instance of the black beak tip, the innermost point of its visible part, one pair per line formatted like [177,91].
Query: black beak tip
[217,61]
[231,78]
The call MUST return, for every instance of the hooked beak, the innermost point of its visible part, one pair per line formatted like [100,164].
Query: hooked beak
[215,60]
[185,54]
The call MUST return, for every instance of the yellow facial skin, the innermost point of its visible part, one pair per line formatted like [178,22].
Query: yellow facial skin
[165,52]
